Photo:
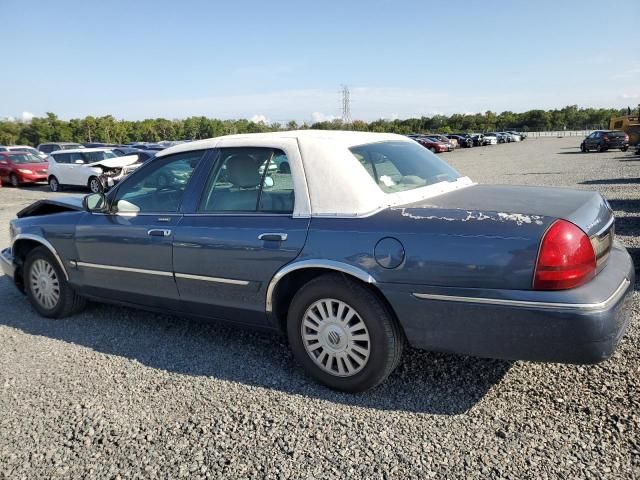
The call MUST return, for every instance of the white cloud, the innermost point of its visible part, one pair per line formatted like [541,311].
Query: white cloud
[321,117]
[260,119]
[26,116]
[630,96]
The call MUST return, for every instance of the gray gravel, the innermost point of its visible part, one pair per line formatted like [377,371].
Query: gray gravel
[120,393]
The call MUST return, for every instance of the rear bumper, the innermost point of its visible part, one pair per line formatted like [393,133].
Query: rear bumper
[583,325]
[6,261]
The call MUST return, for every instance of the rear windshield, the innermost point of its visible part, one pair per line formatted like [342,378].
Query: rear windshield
[21,158]
[615,134]
[91,157]
[399,166]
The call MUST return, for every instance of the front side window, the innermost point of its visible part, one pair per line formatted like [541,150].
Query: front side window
[250,180]
[91,157]
[400,166]
[159,186]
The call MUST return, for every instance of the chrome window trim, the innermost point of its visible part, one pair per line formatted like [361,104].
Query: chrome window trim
[326,264]
[124,269]
[205,278]
[530,303]
[42,241]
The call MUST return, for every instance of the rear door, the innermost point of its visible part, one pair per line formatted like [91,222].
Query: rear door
[239,233]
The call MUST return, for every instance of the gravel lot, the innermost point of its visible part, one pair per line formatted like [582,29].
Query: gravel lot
[120,393]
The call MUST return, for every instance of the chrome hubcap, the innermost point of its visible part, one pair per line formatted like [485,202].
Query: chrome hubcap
[335,337]
[45,285]
[95,186]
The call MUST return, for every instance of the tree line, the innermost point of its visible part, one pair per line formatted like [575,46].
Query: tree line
[110,130]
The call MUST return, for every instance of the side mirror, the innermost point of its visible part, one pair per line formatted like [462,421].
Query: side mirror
[79,162]
[95,203]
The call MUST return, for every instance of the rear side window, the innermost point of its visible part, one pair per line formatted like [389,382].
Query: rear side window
[250,180]
[62,158]
[399,166]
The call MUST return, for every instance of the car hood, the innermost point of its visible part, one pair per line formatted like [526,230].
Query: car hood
[118,162]
[525,205]
[47,207]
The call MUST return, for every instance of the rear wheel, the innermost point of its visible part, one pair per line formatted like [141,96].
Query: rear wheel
[47,288]
[600,149]
[343,334]
[433,150]
[624,149]
[95,185]
[13,179]
[54,184]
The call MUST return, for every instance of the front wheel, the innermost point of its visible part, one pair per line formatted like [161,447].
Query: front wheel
[583,149]
[47,288]
[95,185]
[13,179]
[343,334]
[433,150]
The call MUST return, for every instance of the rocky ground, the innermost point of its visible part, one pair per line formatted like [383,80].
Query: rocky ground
[120,393]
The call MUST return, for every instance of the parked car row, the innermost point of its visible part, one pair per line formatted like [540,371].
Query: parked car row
[439,143]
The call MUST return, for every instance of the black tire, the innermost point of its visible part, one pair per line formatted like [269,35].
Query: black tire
[13,180]
[600,149]
[95,185]
[624,149]
[68,302]
[54,184]
[583,148]
[432,150]
[386,337]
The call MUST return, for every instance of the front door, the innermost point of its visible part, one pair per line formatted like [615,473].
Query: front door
[126,254]
[241,232]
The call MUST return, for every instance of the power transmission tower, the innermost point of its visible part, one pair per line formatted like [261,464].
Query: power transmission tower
[346,105]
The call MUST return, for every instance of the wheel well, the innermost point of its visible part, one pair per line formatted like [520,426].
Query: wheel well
[289,285]
[20,250]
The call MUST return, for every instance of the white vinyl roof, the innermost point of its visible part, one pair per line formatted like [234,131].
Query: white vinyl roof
[328,179]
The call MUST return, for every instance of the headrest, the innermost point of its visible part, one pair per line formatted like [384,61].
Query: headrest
[243,171]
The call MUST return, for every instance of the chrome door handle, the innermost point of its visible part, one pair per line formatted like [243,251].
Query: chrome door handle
[158,232]
[272,237]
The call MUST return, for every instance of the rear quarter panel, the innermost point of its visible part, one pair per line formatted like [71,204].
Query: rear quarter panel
[442,247]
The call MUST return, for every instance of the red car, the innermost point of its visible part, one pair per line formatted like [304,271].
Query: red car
[22,167]
[433,145]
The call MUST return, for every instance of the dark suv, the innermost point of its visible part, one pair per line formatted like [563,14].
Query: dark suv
[603,140]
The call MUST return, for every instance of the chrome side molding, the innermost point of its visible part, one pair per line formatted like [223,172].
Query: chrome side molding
[204,278]
[123,269]
[529,303]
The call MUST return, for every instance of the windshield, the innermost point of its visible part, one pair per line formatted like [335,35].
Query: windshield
[70,146]
[400,166]
[24,149]
[21,158]
[92,157]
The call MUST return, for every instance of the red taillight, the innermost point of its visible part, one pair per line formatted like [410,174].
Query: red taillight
[566,258]
[626,137]
[605,138]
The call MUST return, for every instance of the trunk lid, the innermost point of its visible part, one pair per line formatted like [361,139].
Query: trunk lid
[586,209]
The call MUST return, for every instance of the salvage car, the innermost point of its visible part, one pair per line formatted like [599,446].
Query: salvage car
[368,241]
[94,168]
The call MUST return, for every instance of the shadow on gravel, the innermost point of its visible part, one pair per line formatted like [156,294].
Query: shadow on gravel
[630,206]
[627,225]
[572,153]
[424,382]
[610,181]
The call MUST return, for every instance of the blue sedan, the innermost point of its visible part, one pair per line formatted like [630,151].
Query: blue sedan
[353,244]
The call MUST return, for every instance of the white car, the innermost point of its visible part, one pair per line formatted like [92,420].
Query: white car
[95,168]
[490,139]
[22,148]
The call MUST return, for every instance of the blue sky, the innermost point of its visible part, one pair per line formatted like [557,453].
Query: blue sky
[282,60]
